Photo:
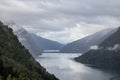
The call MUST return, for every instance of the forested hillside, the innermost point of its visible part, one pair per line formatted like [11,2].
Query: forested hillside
[16,63]
[106,55]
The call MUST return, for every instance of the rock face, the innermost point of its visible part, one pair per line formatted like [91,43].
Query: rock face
[84,44]
[106,56]
[46,44]
[26,39]
[16,63]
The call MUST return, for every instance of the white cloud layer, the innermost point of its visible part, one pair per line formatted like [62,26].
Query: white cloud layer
[94,47]
[62,20]
[114,48]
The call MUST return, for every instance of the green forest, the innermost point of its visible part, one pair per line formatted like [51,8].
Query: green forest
[16,63]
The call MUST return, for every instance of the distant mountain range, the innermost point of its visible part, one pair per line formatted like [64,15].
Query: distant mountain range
[106,55]
[35,44]
[26,39]
[46,44]
[84,44]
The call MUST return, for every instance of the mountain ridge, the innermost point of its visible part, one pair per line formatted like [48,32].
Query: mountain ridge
[107,56]
[16,63]
[26,39]
[35,44]
[46,44]
[84,44]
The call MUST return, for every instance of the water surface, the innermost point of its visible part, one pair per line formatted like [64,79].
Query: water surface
[64,67]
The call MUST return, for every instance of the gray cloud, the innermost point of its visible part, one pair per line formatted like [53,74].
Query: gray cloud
[60,17]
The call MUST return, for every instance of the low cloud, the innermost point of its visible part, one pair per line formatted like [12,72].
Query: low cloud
[116,47]
[95,47]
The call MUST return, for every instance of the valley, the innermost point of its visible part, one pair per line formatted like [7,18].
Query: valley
[59,39]
[65,68]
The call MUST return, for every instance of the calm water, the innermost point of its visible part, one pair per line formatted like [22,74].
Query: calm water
[65,68]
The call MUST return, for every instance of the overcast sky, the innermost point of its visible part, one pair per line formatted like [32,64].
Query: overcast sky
[62,20]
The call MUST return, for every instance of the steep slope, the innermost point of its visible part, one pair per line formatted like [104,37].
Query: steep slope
[107,56]
[16,63]
[83,45]
[26,39]
[46,44]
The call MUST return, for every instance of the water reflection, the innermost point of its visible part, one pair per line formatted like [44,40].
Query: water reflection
[65,68]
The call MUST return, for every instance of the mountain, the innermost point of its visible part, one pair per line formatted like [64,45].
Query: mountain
[106,55]
[16,63]
[46,44]
[84,44]
[26,39]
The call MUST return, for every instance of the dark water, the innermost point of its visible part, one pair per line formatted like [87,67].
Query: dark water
[65,68]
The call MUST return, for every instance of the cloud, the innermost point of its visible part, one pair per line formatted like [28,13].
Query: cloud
[72,19]
[95,47]
[73,33]
[116,47]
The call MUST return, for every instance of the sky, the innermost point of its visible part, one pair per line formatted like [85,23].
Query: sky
[62,20]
